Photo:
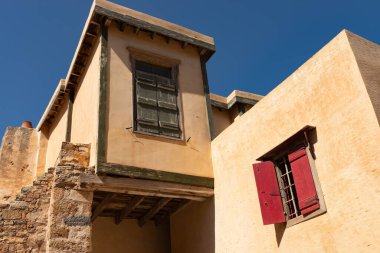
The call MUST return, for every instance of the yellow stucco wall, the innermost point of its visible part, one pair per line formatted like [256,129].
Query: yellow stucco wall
[327,92]
[221,119]
[17,161]
[367,54]
[86,106]
[57,135]
[192,228]
[128,237]
[128,148]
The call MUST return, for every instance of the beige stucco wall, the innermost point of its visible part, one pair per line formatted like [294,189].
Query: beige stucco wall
[17,161]
[367,54]
[192,228]
[128,237]
[57,135]
[221,119]
[86,106]
[128,148]
[326,92]
[42,146]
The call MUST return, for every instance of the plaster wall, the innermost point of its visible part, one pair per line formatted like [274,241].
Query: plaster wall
[57,135]
[86,106]
[17,159]
[129,237]
[43,141]
[327,92]
[160,153]
[192,228]
[221,119]
[367,54]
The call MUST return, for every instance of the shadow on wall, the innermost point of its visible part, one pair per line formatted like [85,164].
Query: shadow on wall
[281,227]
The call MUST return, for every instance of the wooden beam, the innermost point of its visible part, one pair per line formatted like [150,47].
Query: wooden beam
[99,209]
[153,28]
[208,99]
[152,212]
[144,187]
[137,172]
[91,34]
[159,220]
[122,26]
[137,30]
[129,208]
[102,111]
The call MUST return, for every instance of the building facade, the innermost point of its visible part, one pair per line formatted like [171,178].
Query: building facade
[134,154]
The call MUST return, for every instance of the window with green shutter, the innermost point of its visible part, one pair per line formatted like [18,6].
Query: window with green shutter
[156,108]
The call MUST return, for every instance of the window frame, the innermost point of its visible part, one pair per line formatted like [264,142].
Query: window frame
[162,61]
[299,139]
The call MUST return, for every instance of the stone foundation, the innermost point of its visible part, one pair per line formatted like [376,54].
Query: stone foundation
[51,215]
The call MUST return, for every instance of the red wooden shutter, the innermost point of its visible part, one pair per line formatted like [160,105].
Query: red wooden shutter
[269,193]
[304,182]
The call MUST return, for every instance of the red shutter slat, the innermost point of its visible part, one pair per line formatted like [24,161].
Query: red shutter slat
[304,182]
[269,193]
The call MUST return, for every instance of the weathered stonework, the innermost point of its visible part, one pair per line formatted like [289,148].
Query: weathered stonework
[70,209]
[51,215]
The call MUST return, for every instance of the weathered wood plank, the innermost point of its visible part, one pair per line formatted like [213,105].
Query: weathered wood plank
[129,208]
[208,100]
[144,187]
[143,173]
[102,117]
[99,209]
[152,212]
[153,28]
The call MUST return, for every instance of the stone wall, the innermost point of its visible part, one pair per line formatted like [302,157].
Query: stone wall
[51,215]
[23,221]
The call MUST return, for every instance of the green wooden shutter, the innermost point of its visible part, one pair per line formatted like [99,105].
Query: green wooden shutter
[167,107]
[146,103]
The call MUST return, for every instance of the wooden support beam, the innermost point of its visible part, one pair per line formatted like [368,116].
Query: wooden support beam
[122,26]
[152,212]
[152,35]
[137,30]
[99,209]
[94,23]
[129,208]
[184,44]
[91,34]
[159,220]
[157,175]
[144,187]
[108,21]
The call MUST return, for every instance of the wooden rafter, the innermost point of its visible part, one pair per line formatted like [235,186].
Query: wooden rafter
[153,211]
[99,209]
[128,208]
[160,219]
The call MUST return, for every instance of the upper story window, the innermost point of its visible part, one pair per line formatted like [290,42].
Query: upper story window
[156,100]
[287,183]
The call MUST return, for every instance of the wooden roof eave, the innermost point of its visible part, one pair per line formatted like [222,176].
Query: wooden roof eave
[156,26]
[58,93]
[99,8]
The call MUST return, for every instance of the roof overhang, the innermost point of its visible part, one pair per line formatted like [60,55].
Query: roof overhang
[235,97]
[104,12]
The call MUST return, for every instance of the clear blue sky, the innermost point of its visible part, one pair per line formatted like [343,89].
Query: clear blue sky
[259,43]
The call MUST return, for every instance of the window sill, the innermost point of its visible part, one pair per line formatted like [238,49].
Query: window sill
[303,218]
[164,137]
